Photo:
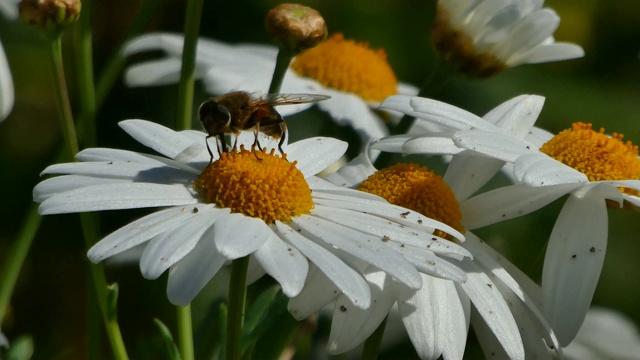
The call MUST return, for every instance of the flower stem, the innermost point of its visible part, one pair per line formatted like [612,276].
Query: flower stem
[187,73]
[372,345]
[88,221]
[16,257]
[282,64]
[86,88]
[237,302]
[185,332]
[61,97]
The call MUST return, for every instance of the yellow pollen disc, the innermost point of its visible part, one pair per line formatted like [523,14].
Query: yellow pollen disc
[349,66]
[595,154]
[414,187]
[257,184]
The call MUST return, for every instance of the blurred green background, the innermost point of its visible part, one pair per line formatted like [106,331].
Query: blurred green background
[52,296]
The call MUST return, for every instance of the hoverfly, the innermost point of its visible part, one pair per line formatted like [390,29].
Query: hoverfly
[240,110]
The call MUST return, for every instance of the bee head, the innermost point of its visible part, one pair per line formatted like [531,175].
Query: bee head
[214,117]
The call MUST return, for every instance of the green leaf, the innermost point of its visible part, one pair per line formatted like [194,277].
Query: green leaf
[172,349]
[21,348]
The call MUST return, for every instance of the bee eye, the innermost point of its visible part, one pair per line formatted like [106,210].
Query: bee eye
[211,111]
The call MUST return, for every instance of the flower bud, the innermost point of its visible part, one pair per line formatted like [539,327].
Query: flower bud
[50,15]
[295,28]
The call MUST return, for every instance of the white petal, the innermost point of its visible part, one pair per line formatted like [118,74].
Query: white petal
[390,143]
[154,73]
[429,264]
[60,184]
[541,170]
[347,280]
[467,173]
[6,86]
[493,309]
[352,174]
[433,143]
[388,211]
[161,174]
[390,233]
[284,263]
[547,53]
[317,292]
[361,246]
[448,115]
[491,143]
[517,116]
[116,196]
[159,138]
[237,235]
[116,155]
[351,110]
[189,275]
[350,325]
[315,154]
[573,262]
[434,317]
[169,247]
[507,203]
[141,230]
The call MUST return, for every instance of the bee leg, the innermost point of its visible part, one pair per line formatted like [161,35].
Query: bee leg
[235,143]
[283,135]
[223,144]
[206,141]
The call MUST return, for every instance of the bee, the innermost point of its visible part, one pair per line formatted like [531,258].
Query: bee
[239,110]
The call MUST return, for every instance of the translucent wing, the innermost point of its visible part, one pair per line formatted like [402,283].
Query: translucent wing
[287,99]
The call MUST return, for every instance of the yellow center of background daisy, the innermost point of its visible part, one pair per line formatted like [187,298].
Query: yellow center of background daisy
[595,154]
[416,188]
[349,66]
[256,184]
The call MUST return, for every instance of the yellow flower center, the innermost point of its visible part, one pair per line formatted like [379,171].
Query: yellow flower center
[349,66]
[457,48]
[595,154]
[257,184]
[414,187]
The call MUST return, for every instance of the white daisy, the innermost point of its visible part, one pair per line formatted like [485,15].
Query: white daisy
[10,10]
[605,334]
[244,203]
[610,173]
[355,76]
[483,37]
[437,316]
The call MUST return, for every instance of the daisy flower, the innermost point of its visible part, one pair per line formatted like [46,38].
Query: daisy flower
[594,169]
[355,76]
[481,38]
[506,317]
[10,10]
[243,203]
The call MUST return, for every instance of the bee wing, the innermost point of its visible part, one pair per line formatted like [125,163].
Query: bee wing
[287,99]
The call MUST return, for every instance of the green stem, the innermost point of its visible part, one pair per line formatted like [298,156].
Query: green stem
[187,72]
[86,88]
[282,64]
[372,345]
[185,332]
[237,303]
[115,63]
[88,221]
[61,97]
[16,257]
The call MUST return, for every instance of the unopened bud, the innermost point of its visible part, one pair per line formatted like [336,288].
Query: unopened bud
[51,15]
[295,28]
